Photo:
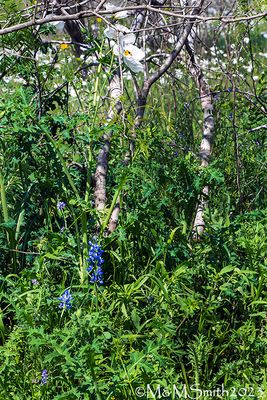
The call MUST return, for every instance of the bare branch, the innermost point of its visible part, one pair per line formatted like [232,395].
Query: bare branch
[102,13]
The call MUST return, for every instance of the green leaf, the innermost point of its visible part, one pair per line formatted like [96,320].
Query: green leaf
[225,270]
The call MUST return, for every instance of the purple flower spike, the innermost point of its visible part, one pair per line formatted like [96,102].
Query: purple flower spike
[95,261]
[44,377]
[65,300]
[61,205]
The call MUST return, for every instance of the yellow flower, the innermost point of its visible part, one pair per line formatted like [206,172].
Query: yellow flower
[99,20]
[64,46]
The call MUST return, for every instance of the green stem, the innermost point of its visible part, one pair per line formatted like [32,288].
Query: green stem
[3,198]
[114,200]
[83,266]
[65,169]
[10,233]
[83,272]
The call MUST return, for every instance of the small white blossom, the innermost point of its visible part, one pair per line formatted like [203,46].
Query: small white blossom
[248,67]
[7,79]
[114,6]
[72,92]
[178,73]
[172,39]
[19,80]
[118,32]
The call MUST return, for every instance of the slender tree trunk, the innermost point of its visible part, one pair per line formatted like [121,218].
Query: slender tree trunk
[102,159]
[114,218]
[207,134]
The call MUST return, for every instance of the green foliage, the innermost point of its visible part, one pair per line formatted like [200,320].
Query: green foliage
[171,311]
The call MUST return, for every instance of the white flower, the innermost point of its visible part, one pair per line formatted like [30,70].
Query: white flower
[111,7]
[246,40]
[172,39]
[114,6]
[72,92]
[125,48]
[248,67]
[7,79]
[118,32]
[122,14]
[131,56]
[178,73]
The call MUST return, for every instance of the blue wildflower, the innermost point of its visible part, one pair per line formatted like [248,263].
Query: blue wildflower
[95,261]
[44,377]
[65,300]
[35,282]
[61,205]
[95,255]
[97,276]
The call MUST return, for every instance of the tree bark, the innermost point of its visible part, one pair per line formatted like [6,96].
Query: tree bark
[115,92]
[207,133]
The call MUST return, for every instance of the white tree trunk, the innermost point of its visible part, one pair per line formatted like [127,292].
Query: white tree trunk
[207,133]
[115,93]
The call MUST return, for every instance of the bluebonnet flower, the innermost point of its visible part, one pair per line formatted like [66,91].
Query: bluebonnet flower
[44,377]
[65,300]
[61,205]
[95,261]
[97,276]
[95,253]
